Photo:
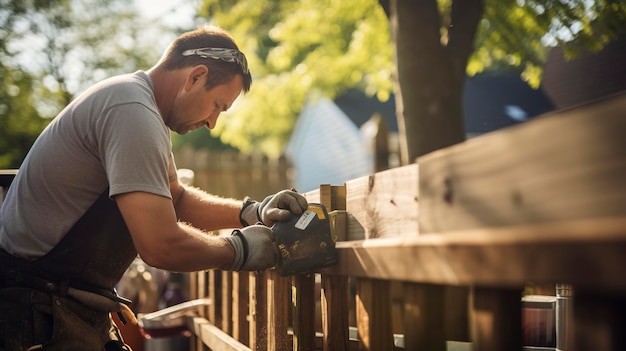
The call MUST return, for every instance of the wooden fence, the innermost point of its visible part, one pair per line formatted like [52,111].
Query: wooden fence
[438,254]
[236,175]
[233,174]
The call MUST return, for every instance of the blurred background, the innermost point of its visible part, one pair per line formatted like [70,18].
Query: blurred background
[325,76]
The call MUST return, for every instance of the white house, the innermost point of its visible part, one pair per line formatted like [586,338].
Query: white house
[326,147]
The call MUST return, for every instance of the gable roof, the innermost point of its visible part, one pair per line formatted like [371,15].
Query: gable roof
[326,147]
[360,108]
[490,102]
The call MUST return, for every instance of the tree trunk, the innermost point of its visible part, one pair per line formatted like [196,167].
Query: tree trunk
[430,75]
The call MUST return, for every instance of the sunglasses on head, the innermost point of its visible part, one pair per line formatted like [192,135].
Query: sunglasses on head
[224,54]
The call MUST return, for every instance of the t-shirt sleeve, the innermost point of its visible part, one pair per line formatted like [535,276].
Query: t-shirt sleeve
[136,150]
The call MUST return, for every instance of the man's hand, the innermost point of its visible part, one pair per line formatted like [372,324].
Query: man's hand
[255,249]
[274,208]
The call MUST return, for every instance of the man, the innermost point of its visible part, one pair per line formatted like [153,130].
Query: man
[99,186]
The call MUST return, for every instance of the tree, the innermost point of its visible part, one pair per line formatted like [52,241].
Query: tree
[70,47]
[51,50]
[437,43]
[19,120]
[296,51]
[296,47]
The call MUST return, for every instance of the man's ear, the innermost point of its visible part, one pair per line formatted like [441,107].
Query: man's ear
[196,75]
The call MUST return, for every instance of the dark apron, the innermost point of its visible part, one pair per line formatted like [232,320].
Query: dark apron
[35,308]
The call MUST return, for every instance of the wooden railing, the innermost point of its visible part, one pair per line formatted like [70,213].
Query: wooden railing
[438,254]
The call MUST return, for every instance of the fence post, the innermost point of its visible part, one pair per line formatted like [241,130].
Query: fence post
[497,319]
[335,289]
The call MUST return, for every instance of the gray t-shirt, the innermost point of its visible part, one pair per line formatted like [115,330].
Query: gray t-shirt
[111,136]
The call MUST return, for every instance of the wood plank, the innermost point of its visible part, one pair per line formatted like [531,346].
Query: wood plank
[599,321]
[284,166]
[252,329]
[259,311]
[313,196]
[227,302]
[373,308]
[497,319]
[335,309]
[278,312]
[193,285]
[456,313]
[541,253]
[214,292]
[384,204]
[333,197]
[563,166]
[197,289]
[424,317]
[214,338]
[203,283]
[335,305]
[304,300]
[240,308]
[194,325]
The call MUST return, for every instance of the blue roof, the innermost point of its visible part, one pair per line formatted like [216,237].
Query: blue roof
[490,102]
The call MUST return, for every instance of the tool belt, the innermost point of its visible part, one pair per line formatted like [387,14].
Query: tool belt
[97,298]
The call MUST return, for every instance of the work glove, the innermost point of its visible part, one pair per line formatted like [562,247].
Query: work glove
[255,249]
[274,208]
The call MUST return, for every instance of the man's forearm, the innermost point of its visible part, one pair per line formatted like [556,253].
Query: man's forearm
[206,211]
[189,250]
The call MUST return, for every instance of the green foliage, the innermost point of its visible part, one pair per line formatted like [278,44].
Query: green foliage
[69,46]
[516,34]
[298,47]
[20,123]
[51,50]
[295,49]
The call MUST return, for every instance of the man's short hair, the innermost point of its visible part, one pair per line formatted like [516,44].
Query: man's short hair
[220,71]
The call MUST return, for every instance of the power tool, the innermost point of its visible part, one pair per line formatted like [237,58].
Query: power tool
[305,242]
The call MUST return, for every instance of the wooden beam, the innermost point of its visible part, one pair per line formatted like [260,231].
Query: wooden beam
[303,299]
[313,196]
[227,302]
[563,166]
[497,319]
[600,321]
[333,197]
[587,252]
[373,309]
[278,312]
[258,311]
[213,337]
[384,204]
[424,317]
[335,309]
[214,281]
[240,308]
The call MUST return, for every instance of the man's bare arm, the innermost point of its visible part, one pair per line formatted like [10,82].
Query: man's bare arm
[203,210]
[164,242]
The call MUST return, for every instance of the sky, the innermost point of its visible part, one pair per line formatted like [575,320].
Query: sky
[171,11]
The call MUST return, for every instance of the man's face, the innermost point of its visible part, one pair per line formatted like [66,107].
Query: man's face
[196,107]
